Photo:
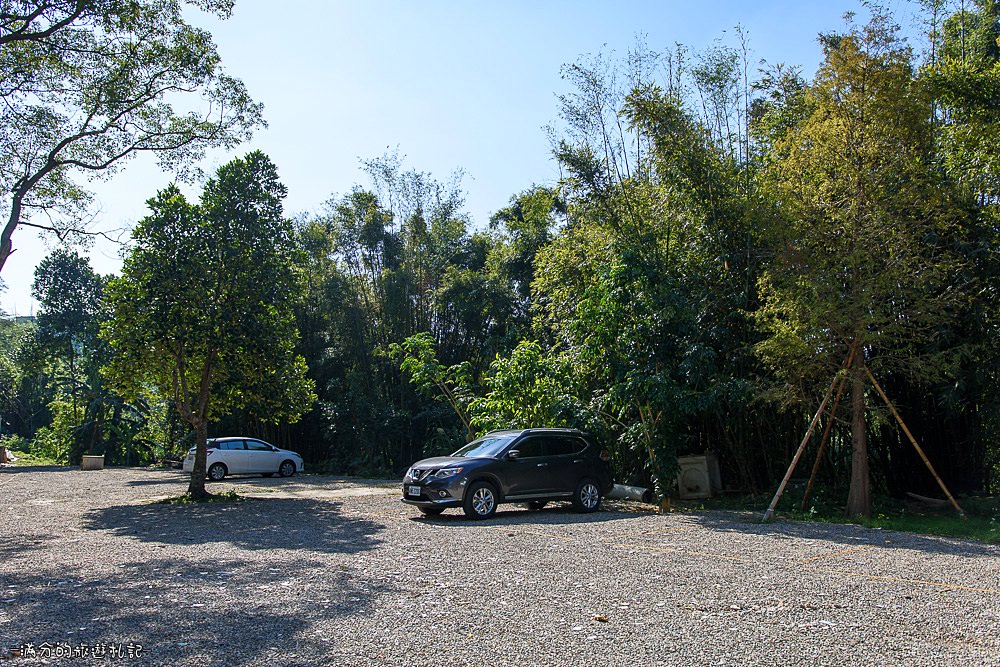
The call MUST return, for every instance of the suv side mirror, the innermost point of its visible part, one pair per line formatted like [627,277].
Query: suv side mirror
[513,455]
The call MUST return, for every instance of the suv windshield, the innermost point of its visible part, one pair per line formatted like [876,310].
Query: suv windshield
[489,445]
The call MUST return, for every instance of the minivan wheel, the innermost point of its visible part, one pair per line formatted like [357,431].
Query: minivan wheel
[480,501]
[587,497]
[535,505]
[217,472]
[287,469]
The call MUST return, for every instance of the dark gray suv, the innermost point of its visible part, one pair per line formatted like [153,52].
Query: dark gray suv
[532,466]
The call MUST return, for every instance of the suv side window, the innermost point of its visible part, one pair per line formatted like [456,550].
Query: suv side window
[579,444]
[560,446]
[565,445]
[530,447]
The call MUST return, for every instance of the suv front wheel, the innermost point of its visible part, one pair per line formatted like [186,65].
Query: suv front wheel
[480,501]
[587,497]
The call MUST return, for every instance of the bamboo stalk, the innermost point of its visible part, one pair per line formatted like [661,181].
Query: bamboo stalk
[913,441]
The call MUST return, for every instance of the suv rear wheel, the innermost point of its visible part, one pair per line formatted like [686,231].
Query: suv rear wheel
[480,501]
[587,497]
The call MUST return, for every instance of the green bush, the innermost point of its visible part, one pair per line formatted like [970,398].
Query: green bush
[14,443]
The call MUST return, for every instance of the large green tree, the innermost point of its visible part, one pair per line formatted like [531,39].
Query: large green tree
[87,84]
[69,293]
[864,261]
[203,311]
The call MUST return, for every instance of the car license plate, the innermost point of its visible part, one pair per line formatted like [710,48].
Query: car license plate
[413,490]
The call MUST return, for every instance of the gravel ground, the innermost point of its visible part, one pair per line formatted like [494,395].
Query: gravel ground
[320,570]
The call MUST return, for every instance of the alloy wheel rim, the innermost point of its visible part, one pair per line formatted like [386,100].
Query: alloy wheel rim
[482,501]
[589,496]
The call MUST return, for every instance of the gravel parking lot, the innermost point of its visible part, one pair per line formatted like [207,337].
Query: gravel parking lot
[320,570]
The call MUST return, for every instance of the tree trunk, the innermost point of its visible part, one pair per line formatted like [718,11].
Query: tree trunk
[6,248]
[859,502]
[72,380]
[6,236]
[196,488]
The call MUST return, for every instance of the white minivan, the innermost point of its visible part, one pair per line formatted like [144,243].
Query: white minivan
[245,456]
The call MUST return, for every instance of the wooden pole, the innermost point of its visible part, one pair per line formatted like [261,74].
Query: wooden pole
[822,443]
[769,514]
[829,427]
[913,441]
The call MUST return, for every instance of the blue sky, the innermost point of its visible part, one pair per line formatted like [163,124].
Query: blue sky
[451,84]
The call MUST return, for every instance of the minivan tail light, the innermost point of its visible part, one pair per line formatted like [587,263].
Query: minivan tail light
[605,456]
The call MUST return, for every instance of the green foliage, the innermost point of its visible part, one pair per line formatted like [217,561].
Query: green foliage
[203,311]
[204,302]
[54,441]
[646,288]
[529,389]
[431,377]
[527,226]
[713,248]
[963,80]
[395,277]
[69,292]
[780,106]
[87,85]
[872,241]
[23,385]
[69,295]
[26,454]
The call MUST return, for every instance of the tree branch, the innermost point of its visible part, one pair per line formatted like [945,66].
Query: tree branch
[22,34]
[63,233]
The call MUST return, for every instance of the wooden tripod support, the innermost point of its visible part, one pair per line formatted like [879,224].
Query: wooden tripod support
[913,441]
[822,443]
[769,514]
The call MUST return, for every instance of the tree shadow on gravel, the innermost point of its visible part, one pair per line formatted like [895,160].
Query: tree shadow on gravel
[846,534]
[168,477]
[9,550]
[13,470]
[513,514]
[253,524]
[198,611]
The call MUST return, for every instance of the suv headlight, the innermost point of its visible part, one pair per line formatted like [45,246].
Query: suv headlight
[446,472]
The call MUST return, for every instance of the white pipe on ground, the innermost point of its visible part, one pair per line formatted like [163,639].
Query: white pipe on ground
[636,493]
